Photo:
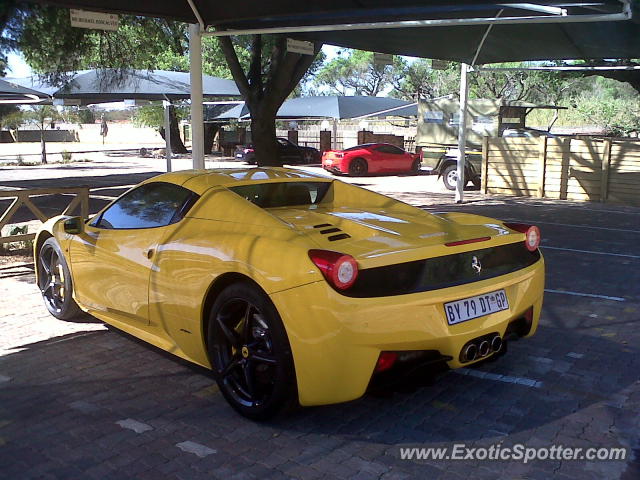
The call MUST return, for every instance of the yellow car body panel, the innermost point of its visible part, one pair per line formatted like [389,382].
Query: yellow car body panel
[157,283]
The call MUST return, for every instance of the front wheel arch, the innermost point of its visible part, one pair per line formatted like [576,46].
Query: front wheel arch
[217,286]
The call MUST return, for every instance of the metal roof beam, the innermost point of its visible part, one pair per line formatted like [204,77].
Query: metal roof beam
[623,15]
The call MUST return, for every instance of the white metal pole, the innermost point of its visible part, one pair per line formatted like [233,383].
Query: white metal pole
[197,116]
[462,131]
[334,134]
[167,132]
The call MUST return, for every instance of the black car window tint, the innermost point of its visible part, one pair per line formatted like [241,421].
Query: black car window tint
[283,194]
[148,206]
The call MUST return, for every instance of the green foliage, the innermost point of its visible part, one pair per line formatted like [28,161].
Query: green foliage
[66,156]
[617,115]
[153,115]
[41,116]
[417,80]
[86,115]
[353,72]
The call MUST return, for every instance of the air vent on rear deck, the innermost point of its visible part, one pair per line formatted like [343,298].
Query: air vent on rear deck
[341,236]
[332,238]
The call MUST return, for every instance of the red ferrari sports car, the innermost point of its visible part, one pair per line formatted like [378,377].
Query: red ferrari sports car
[371,158]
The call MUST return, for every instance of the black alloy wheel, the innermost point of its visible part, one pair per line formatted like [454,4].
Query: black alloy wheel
[54,281]
[308,156]
[250,353]
[358,167]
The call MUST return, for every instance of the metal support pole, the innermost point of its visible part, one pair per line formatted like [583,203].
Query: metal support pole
[462,131]
[334,135]
[167,132]
[197,116]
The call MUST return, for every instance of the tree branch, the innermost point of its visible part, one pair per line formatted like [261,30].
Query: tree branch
[236,69]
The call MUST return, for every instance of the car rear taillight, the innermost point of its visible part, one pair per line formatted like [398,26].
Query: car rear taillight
[338,155]
[248,150]
[339,269]
[531,233]
[386,360]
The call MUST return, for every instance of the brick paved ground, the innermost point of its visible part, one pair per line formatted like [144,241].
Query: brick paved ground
[83,401]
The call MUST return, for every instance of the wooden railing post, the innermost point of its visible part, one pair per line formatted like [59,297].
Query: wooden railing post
[542,165]
[606,163]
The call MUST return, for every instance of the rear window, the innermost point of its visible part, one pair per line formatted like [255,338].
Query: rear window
[283,194]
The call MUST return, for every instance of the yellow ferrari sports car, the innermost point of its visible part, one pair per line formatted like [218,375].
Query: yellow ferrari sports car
[293,287]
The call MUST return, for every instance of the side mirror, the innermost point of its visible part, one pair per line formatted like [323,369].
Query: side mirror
[74,225]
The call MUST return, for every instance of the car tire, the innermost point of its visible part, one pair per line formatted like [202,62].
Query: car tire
[416,166]
[250,353]
[450,176]
[55,282]
[358,167]
[309,156]
[476,181]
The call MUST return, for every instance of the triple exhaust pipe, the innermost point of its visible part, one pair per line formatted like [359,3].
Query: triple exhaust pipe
[481,347]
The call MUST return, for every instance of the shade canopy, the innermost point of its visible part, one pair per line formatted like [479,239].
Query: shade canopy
[321,107]
[14,93]
[434,28]
[109,85]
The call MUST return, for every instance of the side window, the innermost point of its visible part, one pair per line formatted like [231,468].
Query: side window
[389,149]
[148,206]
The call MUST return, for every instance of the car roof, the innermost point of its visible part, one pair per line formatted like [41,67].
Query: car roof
[200,181]
[369,145]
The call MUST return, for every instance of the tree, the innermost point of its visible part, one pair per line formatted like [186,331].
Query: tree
[72,49]
[153,116]
[416,80]
[41,116]
[271,76]
[353,72]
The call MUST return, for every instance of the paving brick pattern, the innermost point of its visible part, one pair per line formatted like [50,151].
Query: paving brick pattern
[84,401]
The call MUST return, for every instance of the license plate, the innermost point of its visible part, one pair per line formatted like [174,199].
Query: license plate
[238,155]
[474,307]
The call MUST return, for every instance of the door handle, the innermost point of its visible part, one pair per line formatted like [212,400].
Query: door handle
[149,253]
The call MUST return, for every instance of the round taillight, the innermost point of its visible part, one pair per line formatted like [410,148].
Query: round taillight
[532,238]
[339,269]
[531,234]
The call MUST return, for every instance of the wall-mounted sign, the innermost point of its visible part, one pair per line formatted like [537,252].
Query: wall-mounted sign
[94,20]
[433,117]
[382,59]
[439,64]
[299,46]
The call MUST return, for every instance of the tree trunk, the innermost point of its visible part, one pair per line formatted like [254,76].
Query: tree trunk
[263,138]
[210,130]
[177,146]
[43,145]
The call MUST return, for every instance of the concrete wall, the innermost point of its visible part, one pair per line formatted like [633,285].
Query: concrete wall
[570,168]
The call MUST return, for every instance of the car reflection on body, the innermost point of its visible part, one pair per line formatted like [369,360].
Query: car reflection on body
[293,288]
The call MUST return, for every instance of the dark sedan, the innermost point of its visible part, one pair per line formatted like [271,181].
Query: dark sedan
[290,153]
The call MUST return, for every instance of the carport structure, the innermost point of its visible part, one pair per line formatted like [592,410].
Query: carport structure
[11,93]
[463,31]
[88,87]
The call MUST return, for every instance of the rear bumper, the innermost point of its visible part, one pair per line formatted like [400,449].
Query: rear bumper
[336,340]
[334,166]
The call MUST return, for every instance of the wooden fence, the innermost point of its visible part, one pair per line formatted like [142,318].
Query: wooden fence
[24,198]
[568,168]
